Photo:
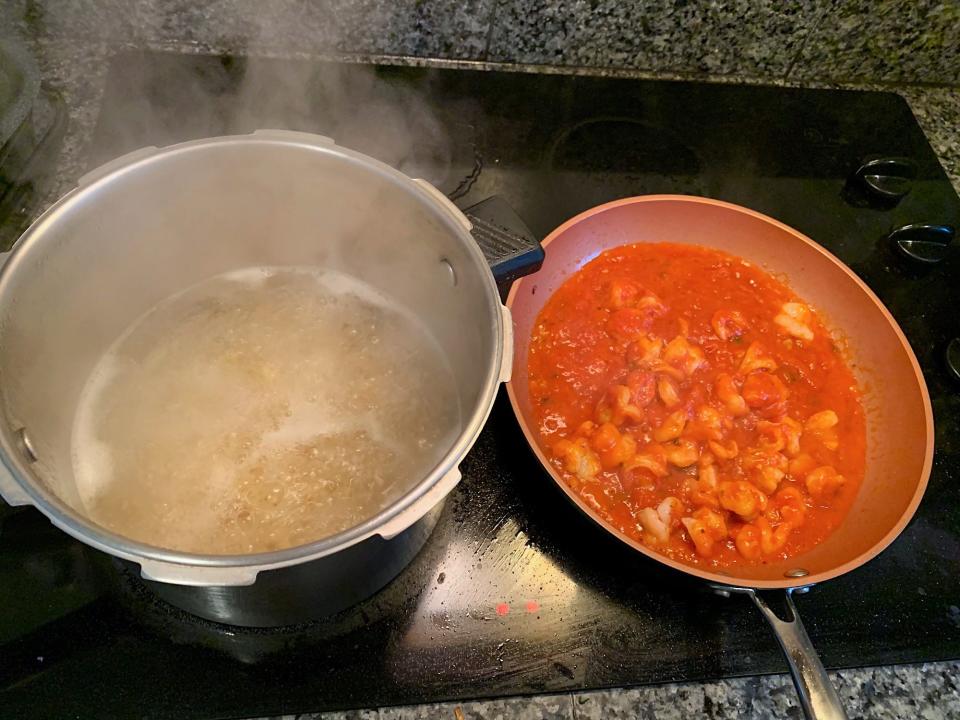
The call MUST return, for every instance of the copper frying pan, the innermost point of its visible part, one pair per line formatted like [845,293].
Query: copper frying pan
[896,402]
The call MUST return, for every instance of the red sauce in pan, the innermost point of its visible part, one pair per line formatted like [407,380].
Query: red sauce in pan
[697,405]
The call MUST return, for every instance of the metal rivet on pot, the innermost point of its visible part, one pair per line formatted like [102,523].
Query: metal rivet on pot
[453,273]
[796,573]
[26,447]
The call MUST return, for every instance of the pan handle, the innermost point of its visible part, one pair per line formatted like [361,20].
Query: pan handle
[511,250]
[817,695]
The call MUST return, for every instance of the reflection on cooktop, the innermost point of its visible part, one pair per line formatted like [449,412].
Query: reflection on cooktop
[621,146]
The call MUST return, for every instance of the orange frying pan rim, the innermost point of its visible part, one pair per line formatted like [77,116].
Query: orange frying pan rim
[717,577]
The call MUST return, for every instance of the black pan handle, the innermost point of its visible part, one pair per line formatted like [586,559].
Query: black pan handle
[510,248]
[818,697]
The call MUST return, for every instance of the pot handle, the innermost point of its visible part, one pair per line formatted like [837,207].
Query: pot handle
[433,497]
[817,695]
[196,576]
[506,364]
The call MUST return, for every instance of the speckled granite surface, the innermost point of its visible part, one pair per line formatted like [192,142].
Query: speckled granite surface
[853,40]
[409,27]
[909,692]
[890,40]
[861,40]
[938,110]
[744,36]
[74,51]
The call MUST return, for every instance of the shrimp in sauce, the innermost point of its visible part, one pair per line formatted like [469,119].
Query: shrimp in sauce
[707,411]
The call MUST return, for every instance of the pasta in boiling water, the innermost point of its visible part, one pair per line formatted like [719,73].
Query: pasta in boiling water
[261,410]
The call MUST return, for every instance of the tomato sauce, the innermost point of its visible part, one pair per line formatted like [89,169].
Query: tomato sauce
[697,405]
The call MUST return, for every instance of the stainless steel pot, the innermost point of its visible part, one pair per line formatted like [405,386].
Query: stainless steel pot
[151,223]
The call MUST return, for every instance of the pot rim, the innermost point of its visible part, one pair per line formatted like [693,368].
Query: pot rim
[68,519]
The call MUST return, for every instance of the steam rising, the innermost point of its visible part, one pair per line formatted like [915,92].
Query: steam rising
[357,106]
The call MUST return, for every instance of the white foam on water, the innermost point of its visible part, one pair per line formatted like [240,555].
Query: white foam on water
[93,467]
[255,276]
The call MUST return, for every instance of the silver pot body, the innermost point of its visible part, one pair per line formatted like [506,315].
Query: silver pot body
[154,222]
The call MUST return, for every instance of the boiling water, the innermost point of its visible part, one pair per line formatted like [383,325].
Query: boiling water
[259,410]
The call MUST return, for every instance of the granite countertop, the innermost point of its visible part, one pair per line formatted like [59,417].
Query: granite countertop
[77,68]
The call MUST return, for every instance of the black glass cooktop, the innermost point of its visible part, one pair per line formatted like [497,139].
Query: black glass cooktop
[515,592]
